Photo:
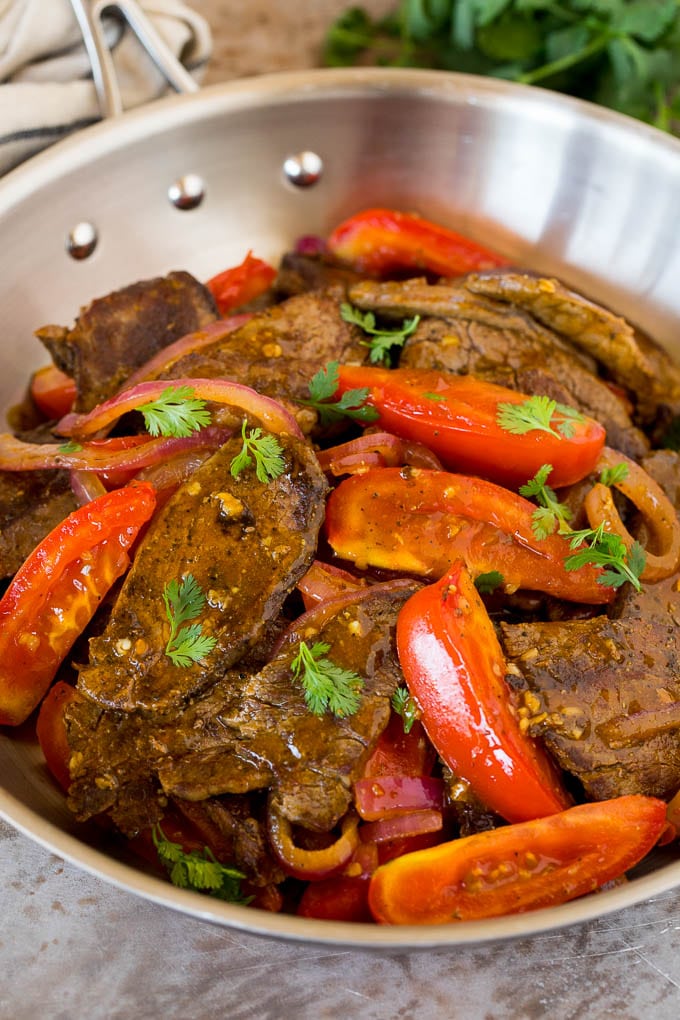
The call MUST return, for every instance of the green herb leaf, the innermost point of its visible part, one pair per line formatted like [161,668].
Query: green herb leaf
[260,449]
[551,515]
[198,870]
[327,687]
[404,705]
[538,413]
[488,582]
[614,475]
[352,404]
[383,339]
[184,601]
[177,412]
[607,550]
[70,447]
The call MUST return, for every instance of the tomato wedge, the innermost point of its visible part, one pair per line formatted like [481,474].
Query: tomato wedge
[53,391]
[417,521]
[56,591]
[235,287]
[518,867]
[383,241]
[455,416]
[454,667]
[50,730]
[342,898]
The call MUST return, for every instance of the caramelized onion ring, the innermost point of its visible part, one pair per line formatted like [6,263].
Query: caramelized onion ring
[653,504]
[311,864]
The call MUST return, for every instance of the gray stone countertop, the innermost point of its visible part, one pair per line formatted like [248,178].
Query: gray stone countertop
[74,947]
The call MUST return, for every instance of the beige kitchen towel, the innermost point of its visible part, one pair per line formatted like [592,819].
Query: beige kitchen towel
[46,88]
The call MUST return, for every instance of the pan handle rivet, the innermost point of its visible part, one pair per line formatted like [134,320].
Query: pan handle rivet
[82,240]
[303,169]
[187,192]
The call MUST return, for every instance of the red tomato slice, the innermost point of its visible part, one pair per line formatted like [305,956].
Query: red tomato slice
[336,899]
[383,241]
[399,753]
[53,392]
[455,417]
[418,521]
[518,867]
[235,287]
[51,731]
[454,668]
[55,593]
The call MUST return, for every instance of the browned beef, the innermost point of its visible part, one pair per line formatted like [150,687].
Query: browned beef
[604,693]
[301,273]
[463,331]
[32,503]
[247,732]
[245,543]
[311,761]
[116,334]
[279,350]
[605,696]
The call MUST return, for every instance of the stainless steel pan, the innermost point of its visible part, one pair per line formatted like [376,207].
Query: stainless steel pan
[195,180]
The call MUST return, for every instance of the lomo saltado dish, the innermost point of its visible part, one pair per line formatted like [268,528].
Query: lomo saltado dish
[349,588]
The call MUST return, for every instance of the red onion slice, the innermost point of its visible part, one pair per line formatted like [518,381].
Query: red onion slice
[413,824]
[269,412]
[376,449]
[388,796]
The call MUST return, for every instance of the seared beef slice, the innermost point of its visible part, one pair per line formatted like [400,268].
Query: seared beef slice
[247,732]
[246,544]
[118,333]
[464,329]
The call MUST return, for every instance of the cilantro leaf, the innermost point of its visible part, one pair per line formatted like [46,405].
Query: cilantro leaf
[184,601]
[327,687]
[177,412]
[198,869]
[352,404]
[608,551]
[264,451]
[383,339]
[404,705]
[614,475]
[538,413]
[551,515]
[488,582]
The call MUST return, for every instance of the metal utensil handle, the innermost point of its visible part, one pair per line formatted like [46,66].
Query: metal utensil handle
[89,16]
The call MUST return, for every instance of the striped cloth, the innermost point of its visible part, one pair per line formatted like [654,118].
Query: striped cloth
[46,88]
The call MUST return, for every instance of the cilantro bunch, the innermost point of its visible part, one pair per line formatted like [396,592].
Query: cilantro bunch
[623,54]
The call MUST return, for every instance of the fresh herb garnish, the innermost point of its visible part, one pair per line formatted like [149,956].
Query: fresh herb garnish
[352,404]
[607,550]
[624,54]
[177,412]
[327,687]
[198,870]
[260,449]
[538,413]
[615,474]
[551,515]
[488,582]
[404,705]
[382,339]
[184,601]
[70,447]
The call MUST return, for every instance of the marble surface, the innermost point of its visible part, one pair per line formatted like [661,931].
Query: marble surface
[72,946]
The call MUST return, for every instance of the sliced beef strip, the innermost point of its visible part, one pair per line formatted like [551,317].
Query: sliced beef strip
[604,693]
[630,358]
[116,334]
[246,733]
[301,273]
[312,760]
[605,697]
[32,503]
[246,544]
[464,332]
[279,350]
